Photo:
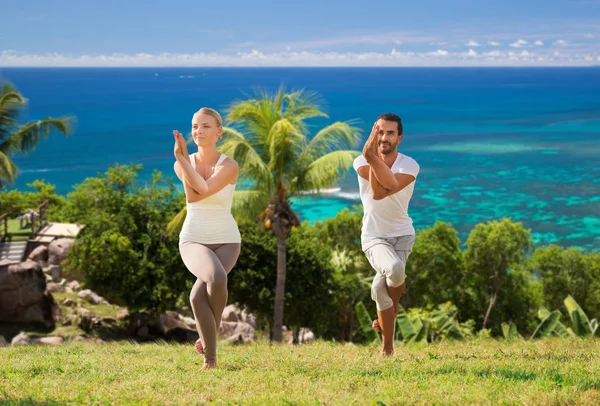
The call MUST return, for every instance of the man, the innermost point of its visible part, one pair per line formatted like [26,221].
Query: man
[386,180]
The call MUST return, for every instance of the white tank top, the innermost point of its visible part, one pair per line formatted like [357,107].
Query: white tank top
[209,221]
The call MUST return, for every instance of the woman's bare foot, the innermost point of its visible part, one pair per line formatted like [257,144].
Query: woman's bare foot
[386,353]
[199,347]
[209,365]
[376,326]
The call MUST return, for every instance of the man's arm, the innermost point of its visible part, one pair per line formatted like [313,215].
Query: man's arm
[381,172]
[377,190]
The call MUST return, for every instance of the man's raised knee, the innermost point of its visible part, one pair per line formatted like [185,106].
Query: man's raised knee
[397,274]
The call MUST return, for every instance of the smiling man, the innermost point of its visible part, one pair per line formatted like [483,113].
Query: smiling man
[386,180]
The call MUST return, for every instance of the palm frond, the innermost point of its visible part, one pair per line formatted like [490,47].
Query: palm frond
[302,105]
[249,203]
[26,137]
[257,115]
[339,135]
[251,164]
[8,170]
[285,143]
[11,97]
[325,172]
[174,226]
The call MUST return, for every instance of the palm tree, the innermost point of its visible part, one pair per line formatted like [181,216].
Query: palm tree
[269,139]
[18,138]
[279,160]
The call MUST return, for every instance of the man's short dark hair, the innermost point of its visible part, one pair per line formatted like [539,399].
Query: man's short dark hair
[392,117]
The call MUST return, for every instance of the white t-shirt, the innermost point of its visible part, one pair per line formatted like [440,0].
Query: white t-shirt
[387,217]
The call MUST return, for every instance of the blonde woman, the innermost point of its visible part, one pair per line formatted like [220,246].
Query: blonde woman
[209,242]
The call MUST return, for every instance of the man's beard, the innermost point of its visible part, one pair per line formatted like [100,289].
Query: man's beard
[389,148]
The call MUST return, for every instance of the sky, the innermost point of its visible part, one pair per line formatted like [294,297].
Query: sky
[301,33]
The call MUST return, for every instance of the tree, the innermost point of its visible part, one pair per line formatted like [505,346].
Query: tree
[124,251]
[269,138]
[568,271]
[352,273]
[494,250]
[18,138]
[310,297]
[436,268]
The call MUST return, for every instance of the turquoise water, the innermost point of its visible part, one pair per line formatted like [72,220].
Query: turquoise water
[491,143]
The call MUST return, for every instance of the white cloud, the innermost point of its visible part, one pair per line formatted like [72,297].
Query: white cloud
[473,44]
[257,58]
[519,43]
[560,42]
[494,43]
[395,38]
[538,43]
[589,36]
[439,52]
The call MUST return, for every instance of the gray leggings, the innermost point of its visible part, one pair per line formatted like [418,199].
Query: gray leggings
[210,263]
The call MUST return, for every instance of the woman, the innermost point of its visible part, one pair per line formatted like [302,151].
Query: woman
[209,241]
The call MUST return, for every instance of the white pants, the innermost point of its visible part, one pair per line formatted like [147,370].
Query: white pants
[388,258]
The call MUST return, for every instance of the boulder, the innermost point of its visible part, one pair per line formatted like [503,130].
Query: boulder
[23,295]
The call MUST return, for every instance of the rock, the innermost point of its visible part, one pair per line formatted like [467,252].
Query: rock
[23,295]
[250,319]
[305,336]
[86,319]
[74,285]
[50,340]
[229,329]
[58,250]
[69,302]
[55,288]
[182,335]
[230,313]
[91,297]
[173,315]
[123,314]
[81,337]
[191,323]
[143,331]
[56,273]
[168,322]
[69,290]
[21,339]
[3,342]
[39,254]
[108,320]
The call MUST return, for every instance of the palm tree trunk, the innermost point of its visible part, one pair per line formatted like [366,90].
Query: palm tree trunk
[279,288]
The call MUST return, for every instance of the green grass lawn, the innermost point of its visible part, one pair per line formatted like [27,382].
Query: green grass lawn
[476,372]
[17,233]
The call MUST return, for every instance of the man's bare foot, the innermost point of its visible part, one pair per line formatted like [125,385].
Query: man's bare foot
[387,353]
[376,326]
[209,365]
[199,347]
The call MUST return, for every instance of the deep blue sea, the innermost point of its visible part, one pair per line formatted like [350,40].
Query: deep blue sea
[491,142]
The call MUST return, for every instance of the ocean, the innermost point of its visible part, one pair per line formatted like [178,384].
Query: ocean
[522,143]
